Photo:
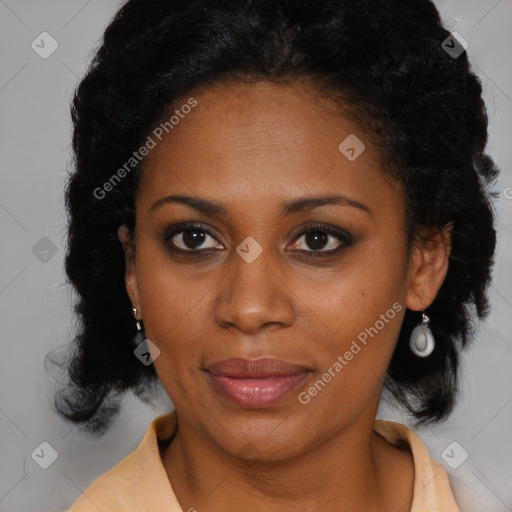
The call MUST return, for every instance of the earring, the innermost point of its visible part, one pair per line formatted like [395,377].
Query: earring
[139,337]
[422,341]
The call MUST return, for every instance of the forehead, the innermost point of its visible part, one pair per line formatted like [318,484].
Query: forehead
[245,139]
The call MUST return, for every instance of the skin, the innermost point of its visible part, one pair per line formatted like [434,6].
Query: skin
[252,147]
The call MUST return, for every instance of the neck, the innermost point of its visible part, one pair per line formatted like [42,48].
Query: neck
[349,471]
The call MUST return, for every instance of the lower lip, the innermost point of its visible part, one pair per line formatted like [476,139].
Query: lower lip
[257,393]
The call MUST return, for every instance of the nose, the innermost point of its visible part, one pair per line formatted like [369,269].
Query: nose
[252,295]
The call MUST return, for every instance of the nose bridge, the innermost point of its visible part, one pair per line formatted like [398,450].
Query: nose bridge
[252,294]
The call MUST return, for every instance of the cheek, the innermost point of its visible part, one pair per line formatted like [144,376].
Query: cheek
[175,323]
[350,311]
[173,309]
[361,308]
[367,284]
[344,299]
[357,316]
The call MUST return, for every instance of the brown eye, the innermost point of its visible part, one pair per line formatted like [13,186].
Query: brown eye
[191,238]
[315,240]
[320,240]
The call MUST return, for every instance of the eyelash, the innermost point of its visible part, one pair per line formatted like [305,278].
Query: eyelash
[344,237]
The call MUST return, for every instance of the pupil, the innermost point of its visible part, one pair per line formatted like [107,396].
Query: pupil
[192,237]
[316,239]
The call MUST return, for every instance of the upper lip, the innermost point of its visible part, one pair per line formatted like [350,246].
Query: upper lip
[255,368]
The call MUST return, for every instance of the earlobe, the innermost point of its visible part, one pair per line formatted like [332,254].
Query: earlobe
[428,266]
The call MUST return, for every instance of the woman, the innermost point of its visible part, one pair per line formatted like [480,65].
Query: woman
[279,210]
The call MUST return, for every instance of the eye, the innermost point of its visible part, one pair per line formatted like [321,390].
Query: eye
[190,237]
[324,240]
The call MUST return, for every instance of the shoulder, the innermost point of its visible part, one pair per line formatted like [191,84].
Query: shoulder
[110,491]
[138,482]
[432,491]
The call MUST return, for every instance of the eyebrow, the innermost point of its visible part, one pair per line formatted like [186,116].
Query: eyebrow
[287,208]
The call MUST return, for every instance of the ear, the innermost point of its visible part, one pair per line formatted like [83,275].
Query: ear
[130,275]
[428,265]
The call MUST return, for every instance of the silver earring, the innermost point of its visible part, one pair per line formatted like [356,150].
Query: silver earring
[422,341]
[138,320]
[139,337]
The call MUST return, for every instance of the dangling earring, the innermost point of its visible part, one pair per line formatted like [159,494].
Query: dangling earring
[139,337]
[422,341]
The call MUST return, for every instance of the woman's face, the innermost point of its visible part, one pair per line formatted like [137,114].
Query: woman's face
[247,281]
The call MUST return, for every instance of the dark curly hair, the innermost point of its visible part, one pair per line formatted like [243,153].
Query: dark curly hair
[383,58]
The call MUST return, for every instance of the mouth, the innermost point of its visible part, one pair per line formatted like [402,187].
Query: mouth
[255,384]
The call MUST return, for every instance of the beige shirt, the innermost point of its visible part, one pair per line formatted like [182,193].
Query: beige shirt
[139,482]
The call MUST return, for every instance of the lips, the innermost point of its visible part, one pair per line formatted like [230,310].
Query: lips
[255,384]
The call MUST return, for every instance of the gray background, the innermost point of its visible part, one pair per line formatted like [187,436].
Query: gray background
[36,304]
